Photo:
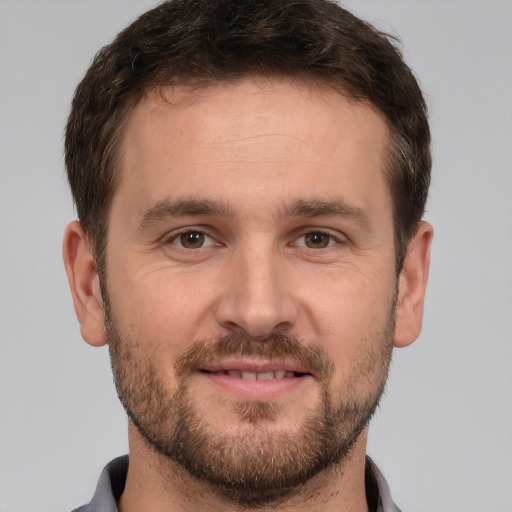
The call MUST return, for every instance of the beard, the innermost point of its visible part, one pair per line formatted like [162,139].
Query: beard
[257,463]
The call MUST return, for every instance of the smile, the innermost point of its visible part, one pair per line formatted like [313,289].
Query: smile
[252,375]
[255,379]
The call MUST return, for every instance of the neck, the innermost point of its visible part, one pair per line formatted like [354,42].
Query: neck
[157,484]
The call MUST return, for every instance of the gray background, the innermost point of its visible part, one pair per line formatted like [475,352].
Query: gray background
[443,434]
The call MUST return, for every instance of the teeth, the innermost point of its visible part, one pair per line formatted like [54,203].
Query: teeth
[278,374]
[266,376]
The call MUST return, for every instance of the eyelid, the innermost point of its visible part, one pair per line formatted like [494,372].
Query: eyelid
[336,237]
[173,236]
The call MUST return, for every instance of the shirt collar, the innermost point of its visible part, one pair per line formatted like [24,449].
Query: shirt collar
[383,498]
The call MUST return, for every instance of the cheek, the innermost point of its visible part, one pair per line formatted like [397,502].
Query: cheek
[352,322]
[161,310]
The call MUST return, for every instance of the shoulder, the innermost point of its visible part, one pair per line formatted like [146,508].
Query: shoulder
[109,488]
[377,489]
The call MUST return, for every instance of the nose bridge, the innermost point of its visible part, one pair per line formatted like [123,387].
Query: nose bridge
[256,297]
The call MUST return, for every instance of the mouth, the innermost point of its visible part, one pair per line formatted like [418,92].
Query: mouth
[255,380]
[255,375]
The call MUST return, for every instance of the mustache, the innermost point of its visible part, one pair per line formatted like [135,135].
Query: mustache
[277,346]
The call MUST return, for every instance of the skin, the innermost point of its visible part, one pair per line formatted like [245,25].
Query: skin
[255,147]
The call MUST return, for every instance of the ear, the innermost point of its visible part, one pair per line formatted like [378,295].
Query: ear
[411,286]
[85,285]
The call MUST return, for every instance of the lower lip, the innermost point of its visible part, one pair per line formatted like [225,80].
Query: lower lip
[256,389]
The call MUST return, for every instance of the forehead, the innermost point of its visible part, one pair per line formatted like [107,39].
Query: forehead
[276,137]
[253,107]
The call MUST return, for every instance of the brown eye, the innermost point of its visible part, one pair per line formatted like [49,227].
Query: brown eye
[317,240]
[192,240]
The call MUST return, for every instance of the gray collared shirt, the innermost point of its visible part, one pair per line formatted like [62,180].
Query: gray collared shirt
[113,478]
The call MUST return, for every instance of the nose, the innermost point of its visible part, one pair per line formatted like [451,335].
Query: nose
[256,293]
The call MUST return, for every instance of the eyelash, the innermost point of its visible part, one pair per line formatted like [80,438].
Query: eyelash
[332,239]
[189,231]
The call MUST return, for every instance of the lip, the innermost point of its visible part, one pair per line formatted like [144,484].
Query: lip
[257,390]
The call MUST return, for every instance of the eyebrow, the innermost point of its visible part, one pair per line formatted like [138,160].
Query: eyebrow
[207,207]
[336,208]
[184,208]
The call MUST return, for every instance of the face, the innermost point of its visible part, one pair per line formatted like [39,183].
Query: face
[250,280]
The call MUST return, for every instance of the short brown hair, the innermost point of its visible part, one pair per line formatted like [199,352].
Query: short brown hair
[198,42]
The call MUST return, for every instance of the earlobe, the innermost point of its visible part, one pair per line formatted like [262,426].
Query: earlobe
[84,284]
[411,287]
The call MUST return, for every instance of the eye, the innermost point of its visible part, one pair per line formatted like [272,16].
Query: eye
[192,240]
[316,240]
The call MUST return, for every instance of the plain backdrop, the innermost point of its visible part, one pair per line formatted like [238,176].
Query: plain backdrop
[443,435]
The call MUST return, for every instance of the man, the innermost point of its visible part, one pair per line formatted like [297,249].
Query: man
[250,179]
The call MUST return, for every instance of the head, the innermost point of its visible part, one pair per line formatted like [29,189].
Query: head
[250,179]
[197,43]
